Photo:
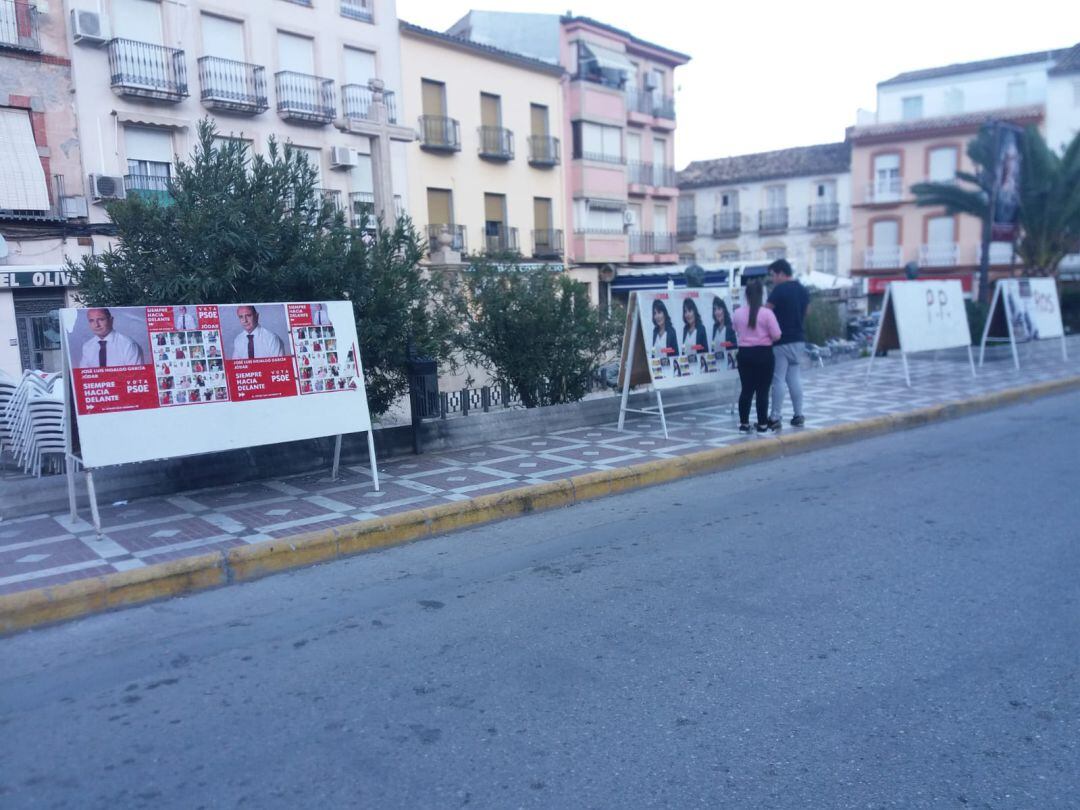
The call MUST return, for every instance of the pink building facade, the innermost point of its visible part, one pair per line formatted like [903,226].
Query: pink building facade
[618,136]
[620,128]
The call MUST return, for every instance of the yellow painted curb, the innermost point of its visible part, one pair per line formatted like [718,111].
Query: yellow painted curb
[251,562]
[198,573]
[56,603]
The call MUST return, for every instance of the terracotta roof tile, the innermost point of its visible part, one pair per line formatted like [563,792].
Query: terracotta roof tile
[800,161]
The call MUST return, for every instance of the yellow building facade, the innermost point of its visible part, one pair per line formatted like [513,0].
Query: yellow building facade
[487,168]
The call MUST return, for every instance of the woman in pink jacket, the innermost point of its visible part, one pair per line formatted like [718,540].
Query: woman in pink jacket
[757,330]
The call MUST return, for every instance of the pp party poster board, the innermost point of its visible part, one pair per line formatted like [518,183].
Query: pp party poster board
[922,316]
[684,337]
[175,381]
[1026,309]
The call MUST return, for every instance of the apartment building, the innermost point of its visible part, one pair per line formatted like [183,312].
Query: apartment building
[923,123]
[43,207]
[487,173]
[323,75]
[792,204]
[618,131]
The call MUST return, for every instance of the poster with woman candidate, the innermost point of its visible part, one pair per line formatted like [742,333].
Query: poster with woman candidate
[687,335]
[138,374]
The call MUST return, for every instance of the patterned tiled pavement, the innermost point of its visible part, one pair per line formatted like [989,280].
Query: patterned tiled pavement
[47,549]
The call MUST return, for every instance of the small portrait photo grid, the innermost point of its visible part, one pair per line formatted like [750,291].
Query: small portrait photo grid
[189,367]
[321,365]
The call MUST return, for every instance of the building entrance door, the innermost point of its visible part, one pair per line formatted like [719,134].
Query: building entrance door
[37,324]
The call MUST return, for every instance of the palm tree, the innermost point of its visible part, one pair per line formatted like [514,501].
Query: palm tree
[1049,200]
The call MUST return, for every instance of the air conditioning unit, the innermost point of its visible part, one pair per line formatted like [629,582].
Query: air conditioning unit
[74,207]
[650,81]
[89,27]
[104,187]
[629,217]
[341,157]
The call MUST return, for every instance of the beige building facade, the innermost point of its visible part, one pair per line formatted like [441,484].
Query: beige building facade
[306,73]
[487,168]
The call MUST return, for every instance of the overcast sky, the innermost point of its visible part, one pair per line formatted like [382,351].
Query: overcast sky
[768,74]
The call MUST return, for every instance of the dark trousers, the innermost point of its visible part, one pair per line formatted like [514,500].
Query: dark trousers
[756,365]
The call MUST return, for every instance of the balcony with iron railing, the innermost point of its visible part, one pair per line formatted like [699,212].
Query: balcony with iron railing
[885,257]
[498,238]
[230,86]
[823,216]
[939,255]
[663,177]
[651,244]
[543,151]
[547,243]
[496,143]
[1000,253]
[727,223]
[358,10]
[641,243]
[147,71]
[650,102]
[686,227]
[440,134]
[305,99]
[772,220]
[19,26]
[884,190]
[639,173]
[153,188]
[57,206]
[331,197]
[456,233]
[362,210]
[356,101]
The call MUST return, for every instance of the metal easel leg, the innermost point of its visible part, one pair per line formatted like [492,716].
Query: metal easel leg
[337,458]
[71,486]
[371,458]
[92,492]
[663,420]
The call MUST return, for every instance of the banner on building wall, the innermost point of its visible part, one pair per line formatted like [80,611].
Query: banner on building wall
[1008,168]
[684,337]
[167,381]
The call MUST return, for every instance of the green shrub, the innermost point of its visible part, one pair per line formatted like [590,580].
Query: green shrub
[823,321]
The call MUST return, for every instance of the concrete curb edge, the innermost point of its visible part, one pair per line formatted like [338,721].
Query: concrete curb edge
[42,606]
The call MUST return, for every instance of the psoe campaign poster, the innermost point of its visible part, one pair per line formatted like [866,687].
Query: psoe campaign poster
[168,381]
[1034,308]
[688,335]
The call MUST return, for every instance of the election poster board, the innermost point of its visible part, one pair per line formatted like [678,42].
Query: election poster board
[922,316]
[167,381]
[687,336]
[1023,310]
[674,338]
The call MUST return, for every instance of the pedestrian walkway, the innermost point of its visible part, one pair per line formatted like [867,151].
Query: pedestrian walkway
[46,550]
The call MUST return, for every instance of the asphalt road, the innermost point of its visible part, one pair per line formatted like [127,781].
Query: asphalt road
[894,623]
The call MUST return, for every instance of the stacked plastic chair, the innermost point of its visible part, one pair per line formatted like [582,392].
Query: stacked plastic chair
[34,422]
[8,385]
